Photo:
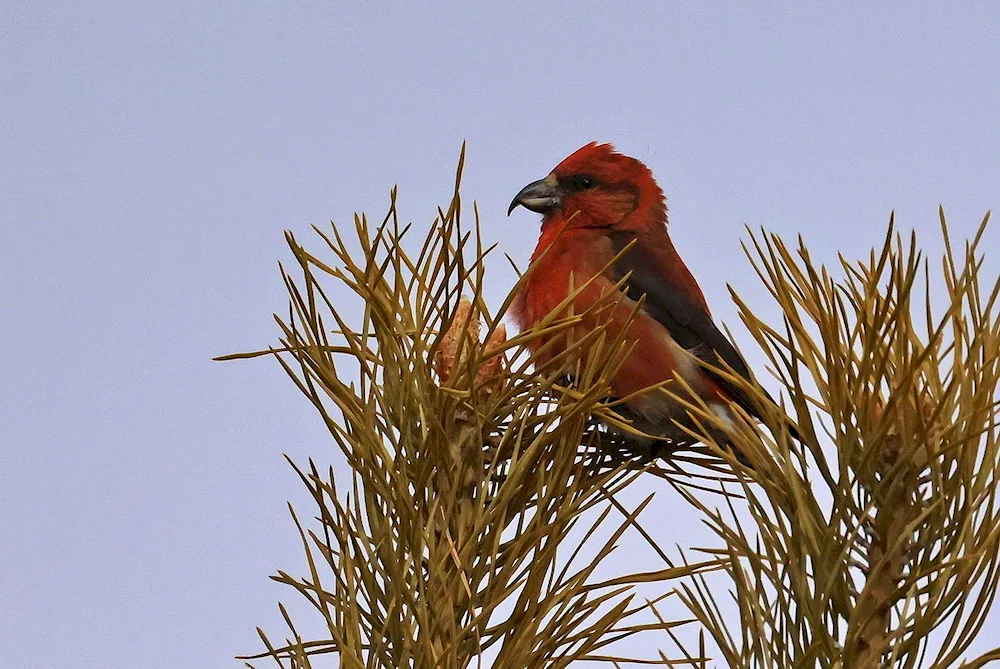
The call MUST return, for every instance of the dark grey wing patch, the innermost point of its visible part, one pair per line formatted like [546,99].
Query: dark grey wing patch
[689,325]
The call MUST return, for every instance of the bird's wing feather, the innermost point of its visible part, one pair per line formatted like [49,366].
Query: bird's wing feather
[688,322]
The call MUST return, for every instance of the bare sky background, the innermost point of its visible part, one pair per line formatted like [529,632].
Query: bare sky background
[152,154]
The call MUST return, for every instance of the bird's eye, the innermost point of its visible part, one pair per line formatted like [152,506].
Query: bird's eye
[584,183]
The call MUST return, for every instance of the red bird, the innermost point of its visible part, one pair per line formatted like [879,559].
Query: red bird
[593,205]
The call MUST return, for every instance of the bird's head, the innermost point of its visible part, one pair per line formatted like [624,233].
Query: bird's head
[596,186]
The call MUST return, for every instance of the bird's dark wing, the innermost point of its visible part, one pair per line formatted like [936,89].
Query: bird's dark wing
[687,322]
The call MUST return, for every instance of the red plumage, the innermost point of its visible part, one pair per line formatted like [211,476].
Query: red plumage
[594,204]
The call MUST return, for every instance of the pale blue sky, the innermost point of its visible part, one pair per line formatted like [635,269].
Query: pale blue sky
[153,154]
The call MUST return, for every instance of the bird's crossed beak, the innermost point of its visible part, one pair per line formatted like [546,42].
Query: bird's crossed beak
[540,196]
